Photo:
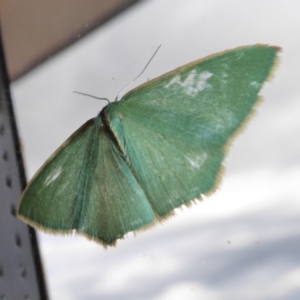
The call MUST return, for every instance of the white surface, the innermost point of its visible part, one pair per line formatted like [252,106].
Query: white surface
[241,243]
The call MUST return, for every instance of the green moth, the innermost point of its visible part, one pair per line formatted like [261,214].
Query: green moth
[161,146]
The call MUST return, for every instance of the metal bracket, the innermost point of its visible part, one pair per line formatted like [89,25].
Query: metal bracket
[21,275]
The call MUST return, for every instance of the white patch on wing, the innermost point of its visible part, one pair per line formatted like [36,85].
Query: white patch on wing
[226,120]
[193,84]
[174,80]
[202,83]
[224,78]
[53,176]
[197,162]
[189,82]
[62,188]
[255,84]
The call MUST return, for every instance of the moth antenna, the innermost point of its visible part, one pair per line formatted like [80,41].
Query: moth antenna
[91,96]
[139,74]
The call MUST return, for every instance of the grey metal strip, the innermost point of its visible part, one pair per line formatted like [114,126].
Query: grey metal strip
[21,275]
